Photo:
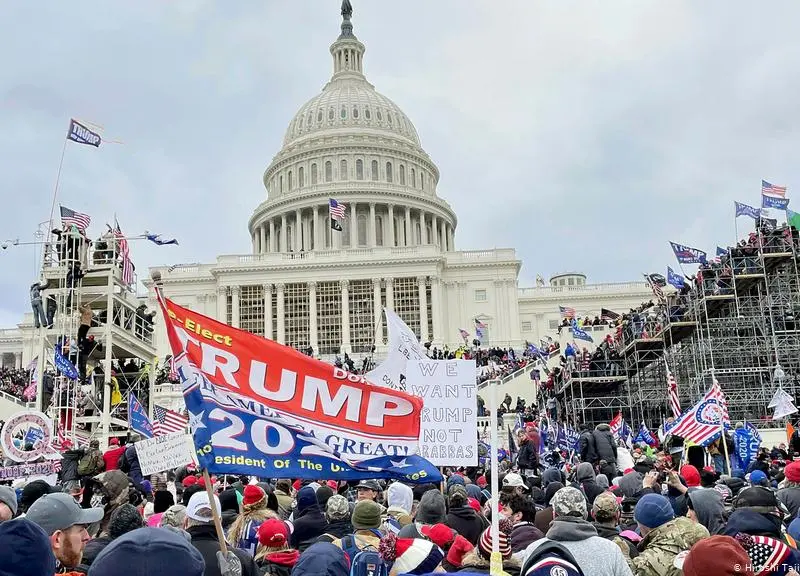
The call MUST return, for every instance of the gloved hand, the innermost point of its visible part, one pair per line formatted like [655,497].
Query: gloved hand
[229,565]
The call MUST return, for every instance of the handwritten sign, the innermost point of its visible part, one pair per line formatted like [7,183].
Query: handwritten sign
[164,452]
[449,432]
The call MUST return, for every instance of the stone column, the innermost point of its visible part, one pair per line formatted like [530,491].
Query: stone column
[409,240]
[312,315]
[298,230]
[262,235]
[284,234]
[345,286]
[235,308]
[273,240]
[423,233]
[316,228]
[268,311]
[450,238]
[390,293]
[222,304]
[440,232]
[436,310]
[376,299]
[391,226]
[372,233]
[422,282]
[353,226]
[281,313]
[18,360]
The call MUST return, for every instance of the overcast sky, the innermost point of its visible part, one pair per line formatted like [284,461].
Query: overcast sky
[583,134]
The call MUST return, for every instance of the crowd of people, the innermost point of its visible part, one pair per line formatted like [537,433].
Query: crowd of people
[14,381]
[660,516]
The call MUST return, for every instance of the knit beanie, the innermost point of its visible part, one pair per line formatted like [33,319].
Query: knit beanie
[691,475]
[324,493]
[124,519]
[485,541]
[460,548]
[174,516]
[431,509]
[410,555]
[337,508]
[306,498]
[148,552]
[26,549]
[273,533]
[162,500]
[717,555]
[455,479]
[366,515]
[254,498]
[653,510]
[9,497]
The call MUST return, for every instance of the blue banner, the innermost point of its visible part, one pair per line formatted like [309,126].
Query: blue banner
[773,202]
[645,436]
[236,435]
[687,254]
[745,210]
[578,333]
[33,435]
[721,252]
[674,279]
[137,417]
[746,446]
[64,366]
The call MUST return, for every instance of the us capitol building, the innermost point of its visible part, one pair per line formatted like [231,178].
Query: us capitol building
[306,285]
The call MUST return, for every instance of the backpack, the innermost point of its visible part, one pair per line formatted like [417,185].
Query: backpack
[551,559]
[88,465]
[122,464]
[364,561]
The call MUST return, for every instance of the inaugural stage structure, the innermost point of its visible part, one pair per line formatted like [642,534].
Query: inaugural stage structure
[736,322]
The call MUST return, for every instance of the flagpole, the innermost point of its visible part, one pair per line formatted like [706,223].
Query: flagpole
[55,195]
[496,559]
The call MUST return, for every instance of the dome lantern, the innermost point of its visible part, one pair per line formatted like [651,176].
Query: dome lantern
[347,51]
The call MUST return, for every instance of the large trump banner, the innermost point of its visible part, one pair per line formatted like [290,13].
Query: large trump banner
[258,407]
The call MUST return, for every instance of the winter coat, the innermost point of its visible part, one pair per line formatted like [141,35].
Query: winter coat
[709,509]
[588,452]
[544,519]
[133,459]
[467,522]
[115,488]
[204,538]
[661,545]
[612,533]
[604,443]
[790,497]
[474,563]
[284,504]
[309,525]
[111,457]
[69,465]
[522,534]
[278,563]
[594,555]
[336,530]
[528,457]
[323,560]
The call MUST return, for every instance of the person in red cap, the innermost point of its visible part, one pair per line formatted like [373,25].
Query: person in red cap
[243,533]
[274,556]
[113,454]
[789,494]
[716,556]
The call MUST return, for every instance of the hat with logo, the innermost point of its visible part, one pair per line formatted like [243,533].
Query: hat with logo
[273,533]
[199,507]
[368,485]
[605,507]
[513,480]
[54,512]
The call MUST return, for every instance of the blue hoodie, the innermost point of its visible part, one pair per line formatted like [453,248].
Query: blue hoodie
[26,550]
[322,559]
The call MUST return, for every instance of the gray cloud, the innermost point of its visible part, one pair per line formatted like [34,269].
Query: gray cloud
[595,131]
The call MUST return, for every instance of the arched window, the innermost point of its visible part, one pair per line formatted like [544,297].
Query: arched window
[355,112]
[319,116]
[330,114]
[359,169]
[374,170]
[301,177]
[280,179]
[413,178]
[343,113]
[367,113]
[402,175]
[379,230]
[290,181]
[343,170]
[389,172]
[328,171]
[362,230]
[314,175]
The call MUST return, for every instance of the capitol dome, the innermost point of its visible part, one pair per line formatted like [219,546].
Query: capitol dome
[352,145]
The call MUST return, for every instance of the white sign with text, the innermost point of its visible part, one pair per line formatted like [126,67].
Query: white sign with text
[449,432]
[164,452]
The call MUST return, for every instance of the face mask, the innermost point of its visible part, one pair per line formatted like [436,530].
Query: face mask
[98,500]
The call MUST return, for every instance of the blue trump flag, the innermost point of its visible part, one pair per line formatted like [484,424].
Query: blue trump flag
[746,446]
[773,202]
[687,254]
[137,417]
[578,333]
[745,210]
[644,435]
[237,435]
[674,279]
[64,366]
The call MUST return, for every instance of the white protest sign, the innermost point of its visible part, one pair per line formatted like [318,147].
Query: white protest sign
[403,348]
[449,431]
[164,452]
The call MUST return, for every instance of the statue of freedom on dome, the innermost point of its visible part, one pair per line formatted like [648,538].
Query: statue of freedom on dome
[347,9]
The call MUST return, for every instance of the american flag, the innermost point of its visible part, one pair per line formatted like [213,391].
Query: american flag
[124,250]
[567,311]
[336,209]
[672,393]
[72,218]
[464,333]
[655,286]
[173,368]
[168,421]
[702,424]
[772,190]
[616,424]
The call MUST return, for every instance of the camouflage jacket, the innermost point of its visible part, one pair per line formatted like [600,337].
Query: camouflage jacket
[660,547]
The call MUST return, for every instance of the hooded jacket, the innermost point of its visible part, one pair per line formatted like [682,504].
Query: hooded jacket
[659,548]
[588,452]
[528,457]
[204,538]
[522,534]
[278,563]
[467,522]
[753,523]
[133,460]
[612,533]
[69,465]
[604,443]
[114,485]
[585,477]
[322,559]
[400,499]
[309,521]
[709,508]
